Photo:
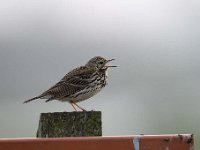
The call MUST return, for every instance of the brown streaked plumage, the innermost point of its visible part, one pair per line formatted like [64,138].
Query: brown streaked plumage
[79,84]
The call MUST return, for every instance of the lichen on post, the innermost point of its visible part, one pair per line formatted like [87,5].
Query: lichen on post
[70,124]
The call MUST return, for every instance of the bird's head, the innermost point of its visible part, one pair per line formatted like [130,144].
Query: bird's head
[99,63]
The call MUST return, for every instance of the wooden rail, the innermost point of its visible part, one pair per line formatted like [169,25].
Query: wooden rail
[138,142]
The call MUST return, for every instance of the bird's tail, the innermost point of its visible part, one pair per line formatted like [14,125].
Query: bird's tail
[34,98]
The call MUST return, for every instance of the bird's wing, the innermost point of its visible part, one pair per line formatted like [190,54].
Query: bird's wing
[71,83]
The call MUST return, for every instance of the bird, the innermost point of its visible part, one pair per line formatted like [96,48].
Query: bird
[79,84]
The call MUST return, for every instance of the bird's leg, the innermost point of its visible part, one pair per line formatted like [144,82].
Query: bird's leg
[73,106]
[79,107]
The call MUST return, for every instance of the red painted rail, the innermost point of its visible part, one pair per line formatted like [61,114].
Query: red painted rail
[138,142]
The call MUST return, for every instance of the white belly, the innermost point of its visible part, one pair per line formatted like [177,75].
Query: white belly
[84,94]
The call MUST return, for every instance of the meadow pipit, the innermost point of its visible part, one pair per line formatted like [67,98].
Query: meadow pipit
[79,84]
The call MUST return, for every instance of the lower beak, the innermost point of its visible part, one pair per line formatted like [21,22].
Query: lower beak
[109,61]
[111,66]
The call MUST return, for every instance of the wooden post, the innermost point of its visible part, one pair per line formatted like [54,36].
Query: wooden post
[68,124]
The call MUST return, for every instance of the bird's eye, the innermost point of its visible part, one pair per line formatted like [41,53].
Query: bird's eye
[101,62]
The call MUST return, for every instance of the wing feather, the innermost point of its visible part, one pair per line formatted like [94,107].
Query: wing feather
[74,81]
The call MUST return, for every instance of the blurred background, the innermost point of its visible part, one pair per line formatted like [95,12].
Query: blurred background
[154,90]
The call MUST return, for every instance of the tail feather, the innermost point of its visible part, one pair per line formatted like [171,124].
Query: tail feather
[34,98]
[50,99]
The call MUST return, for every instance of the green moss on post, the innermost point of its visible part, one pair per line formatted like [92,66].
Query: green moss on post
[67,124]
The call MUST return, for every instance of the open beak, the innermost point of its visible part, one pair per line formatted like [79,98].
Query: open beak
[110,61]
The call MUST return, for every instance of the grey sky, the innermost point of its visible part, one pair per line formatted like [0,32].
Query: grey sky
[154,90]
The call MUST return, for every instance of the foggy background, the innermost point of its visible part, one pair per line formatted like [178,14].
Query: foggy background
[154,90]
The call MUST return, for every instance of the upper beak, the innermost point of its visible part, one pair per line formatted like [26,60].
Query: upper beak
[109,61]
